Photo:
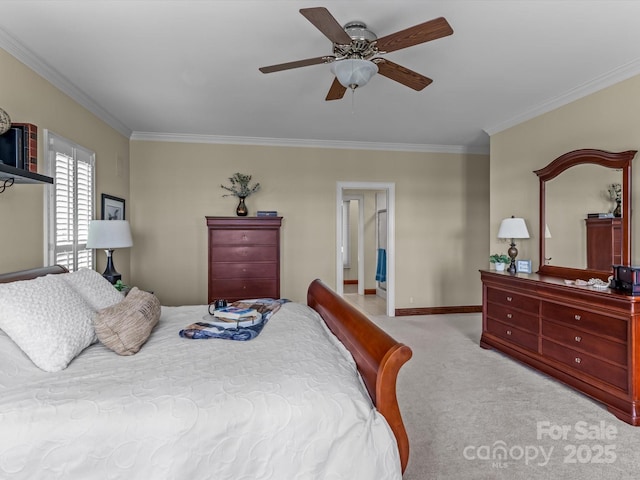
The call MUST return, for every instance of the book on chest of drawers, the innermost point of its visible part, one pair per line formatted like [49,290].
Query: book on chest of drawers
[244,257]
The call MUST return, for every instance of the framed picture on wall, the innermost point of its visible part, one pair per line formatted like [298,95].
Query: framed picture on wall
[112,207]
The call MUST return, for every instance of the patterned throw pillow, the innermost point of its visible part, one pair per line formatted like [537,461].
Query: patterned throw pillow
[126,326]
[93,287]
[49,321]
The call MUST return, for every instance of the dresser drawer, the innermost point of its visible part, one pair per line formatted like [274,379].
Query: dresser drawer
[246,236]
[513,300]
[592,344]
[243,288]
[513,317]
[244,270]
[513,335]
[585,363]
[597,323]
[242,254]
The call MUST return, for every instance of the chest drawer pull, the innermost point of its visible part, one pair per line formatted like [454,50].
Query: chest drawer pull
[577,317]
[508,332]
[509,299]
[577,360]
[578,338]
[509,315]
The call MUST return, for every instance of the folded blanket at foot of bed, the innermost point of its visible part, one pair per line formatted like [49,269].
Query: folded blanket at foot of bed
[265,306]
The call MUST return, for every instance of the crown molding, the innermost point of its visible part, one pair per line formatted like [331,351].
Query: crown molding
[35,63]
[284,142]
[28,58]
[608,79]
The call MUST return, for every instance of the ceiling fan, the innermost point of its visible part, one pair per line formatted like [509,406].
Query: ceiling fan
[356,51]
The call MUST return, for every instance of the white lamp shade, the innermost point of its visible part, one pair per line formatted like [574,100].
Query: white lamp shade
[513,228]
[354,72]
[109,234]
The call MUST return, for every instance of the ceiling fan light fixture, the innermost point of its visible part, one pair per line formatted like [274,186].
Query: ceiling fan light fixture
[354,72]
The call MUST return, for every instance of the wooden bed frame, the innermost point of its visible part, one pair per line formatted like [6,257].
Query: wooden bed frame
[378,356]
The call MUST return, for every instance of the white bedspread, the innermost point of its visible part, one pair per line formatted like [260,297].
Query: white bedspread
[286,405]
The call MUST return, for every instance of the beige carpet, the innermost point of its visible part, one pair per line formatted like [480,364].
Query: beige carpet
[464,407]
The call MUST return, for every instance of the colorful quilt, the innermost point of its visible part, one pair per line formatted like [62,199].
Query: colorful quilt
[265,306]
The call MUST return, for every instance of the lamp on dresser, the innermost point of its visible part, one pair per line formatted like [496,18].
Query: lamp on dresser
[513,228]
[109,235]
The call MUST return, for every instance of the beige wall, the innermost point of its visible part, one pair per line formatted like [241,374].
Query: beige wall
[442,204]
[29,98]
[441,215]
[607,120]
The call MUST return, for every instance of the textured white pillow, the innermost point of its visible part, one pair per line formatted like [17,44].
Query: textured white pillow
[47,319]
[93,287]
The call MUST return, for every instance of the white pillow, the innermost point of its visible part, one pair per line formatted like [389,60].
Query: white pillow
[93,287]
[47,319]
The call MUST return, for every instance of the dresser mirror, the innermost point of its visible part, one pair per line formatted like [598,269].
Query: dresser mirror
[571,187]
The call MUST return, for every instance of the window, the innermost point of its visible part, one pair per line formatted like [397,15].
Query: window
[69,205]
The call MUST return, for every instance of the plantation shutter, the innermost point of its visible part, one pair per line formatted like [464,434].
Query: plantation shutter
[71,205]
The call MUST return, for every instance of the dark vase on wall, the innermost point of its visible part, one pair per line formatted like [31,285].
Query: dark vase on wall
[242,211]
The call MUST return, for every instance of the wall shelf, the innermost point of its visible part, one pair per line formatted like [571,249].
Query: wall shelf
[20,175]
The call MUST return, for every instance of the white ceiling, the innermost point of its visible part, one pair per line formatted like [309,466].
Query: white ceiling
[188,69]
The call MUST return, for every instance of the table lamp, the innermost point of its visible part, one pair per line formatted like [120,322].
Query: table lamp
[109,234]
[513,228]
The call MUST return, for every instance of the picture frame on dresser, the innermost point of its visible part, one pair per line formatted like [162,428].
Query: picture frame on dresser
[523,266]
[113,208]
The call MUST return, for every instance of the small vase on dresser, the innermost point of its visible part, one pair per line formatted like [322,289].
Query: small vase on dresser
[242,210]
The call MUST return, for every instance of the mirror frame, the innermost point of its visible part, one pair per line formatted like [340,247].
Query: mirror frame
[621,161]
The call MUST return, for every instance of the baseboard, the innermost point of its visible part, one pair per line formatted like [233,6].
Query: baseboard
[351,282]
[369,291]
[405,312]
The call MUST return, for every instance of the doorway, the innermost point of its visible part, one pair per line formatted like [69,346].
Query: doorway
[385,238]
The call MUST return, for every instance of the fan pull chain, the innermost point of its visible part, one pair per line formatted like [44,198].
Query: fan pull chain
[353,100]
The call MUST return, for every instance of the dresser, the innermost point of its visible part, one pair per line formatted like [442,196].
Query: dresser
[581,336]
[244,257]
[604,243]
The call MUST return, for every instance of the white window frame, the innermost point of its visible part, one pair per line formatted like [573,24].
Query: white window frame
[80,225]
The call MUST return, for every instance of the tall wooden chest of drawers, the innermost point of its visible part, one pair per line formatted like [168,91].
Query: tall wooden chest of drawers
[581,336]
[244,257]
[604,243]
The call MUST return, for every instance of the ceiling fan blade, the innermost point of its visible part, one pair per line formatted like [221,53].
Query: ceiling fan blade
[297,64]
[403,75]
[337,90]
[329,26]
[425,32]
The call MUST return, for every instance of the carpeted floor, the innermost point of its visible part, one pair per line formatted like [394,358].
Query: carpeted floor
[475,414]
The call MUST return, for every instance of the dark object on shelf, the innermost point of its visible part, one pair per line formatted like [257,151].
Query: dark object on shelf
[11,149]
[626,279]
[29,145]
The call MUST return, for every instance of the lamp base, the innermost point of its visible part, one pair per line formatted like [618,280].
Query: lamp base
[513,253]
[110,273]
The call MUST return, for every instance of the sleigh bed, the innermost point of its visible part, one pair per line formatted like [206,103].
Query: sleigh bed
[312,397]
